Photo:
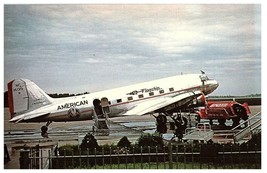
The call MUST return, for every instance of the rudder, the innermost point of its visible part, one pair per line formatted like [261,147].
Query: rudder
[24,96]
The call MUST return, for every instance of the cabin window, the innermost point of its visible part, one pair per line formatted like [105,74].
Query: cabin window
[119,100]
[161,91]
[140,96]
[130,98]
[151,94]
[171,89]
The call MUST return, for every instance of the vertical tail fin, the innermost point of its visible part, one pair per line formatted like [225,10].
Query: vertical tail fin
[24,96]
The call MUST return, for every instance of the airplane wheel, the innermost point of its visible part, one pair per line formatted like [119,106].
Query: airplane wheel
[45,134]
[245,118]
[44,129]
[211,122]
[162,128]
[236,121]
[161,119]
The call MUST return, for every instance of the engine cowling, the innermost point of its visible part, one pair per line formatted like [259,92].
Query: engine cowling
[200,101]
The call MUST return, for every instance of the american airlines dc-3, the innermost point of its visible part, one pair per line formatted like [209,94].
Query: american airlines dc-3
[162,97]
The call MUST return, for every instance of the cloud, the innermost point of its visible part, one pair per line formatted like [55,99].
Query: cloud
[93,61]
[131,43]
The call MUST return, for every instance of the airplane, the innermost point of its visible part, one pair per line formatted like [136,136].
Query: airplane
[162,97]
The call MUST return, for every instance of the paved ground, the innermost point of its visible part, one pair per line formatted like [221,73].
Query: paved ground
[17,135]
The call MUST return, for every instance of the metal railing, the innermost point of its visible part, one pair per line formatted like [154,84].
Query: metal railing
[193,156]
[251,126]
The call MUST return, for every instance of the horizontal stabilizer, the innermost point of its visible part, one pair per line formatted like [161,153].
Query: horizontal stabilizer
[28,116]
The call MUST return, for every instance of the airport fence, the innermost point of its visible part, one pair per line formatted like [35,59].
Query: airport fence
[193,156]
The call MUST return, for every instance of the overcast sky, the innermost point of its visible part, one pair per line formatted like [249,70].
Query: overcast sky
[78,48]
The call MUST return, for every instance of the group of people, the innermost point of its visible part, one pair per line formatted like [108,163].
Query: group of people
[180,123]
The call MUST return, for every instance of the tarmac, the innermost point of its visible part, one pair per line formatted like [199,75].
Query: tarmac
[17,135]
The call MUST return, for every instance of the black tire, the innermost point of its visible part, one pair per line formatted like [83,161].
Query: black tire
[44,134]
[222,121]
[161,119]
[211,122]
[235,121]
[161,128]
[44,129]
[245,117]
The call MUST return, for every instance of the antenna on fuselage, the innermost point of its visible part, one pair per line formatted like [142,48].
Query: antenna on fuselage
[202,72]
[203,78]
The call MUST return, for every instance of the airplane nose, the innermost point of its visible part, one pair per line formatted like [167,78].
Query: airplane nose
[214,84]
[211,86]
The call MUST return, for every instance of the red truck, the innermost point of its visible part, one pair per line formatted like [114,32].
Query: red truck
[224,110]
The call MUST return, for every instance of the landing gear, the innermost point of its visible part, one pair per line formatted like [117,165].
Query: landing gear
[211,122]
[235,121]
[44,129]
[161,123]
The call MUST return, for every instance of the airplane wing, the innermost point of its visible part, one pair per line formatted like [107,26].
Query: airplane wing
[164,104]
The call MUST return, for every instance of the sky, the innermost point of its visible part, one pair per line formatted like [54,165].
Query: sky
[89,47]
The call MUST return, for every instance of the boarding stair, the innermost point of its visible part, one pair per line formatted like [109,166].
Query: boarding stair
[253,123]
[102,120]
[239,134]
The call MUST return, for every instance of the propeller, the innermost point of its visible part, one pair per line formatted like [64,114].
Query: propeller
[201,100]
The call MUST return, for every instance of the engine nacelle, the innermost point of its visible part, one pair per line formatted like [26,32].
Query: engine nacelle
[200,101]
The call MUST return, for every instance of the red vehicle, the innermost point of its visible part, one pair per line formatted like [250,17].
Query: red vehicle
[224,110]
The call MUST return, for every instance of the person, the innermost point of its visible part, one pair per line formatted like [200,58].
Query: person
[181,124]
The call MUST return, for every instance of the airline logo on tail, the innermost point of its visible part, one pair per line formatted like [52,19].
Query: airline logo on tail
[25,96]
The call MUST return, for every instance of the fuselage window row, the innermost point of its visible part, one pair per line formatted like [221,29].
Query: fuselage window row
[142,95]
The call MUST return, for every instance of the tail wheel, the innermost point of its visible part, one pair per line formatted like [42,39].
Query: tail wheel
[44,131]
